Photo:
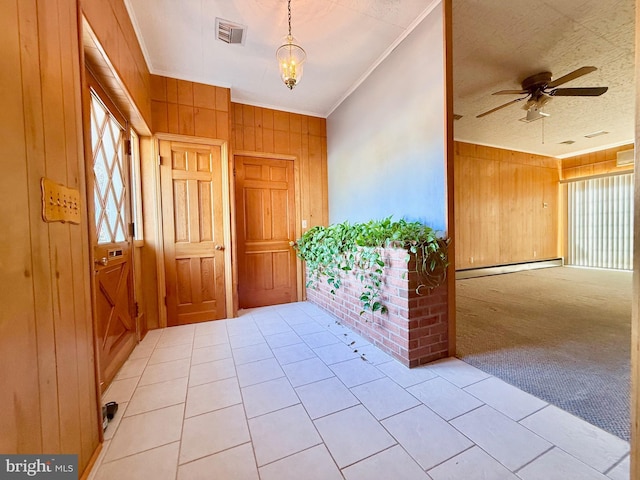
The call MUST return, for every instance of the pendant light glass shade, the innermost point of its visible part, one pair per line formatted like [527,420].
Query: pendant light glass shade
[291,58]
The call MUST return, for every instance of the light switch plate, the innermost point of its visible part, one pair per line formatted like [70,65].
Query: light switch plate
[59,203]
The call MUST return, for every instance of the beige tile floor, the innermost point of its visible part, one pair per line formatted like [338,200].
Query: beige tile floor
[287,393]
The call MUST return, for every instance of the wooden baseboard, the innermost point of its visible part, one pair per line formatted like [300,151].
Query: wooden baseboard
[510,268]
[92,462]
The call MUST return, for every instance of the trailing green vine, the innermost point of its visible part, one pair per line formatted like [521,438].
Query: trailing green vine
[331,251]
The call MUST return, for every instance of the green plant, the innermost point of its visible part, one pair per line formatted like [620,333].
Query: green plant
[343,247]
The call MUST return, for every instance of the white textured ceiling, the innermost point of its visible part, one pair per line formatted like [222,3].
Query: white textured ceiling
[497,44]
[343,40]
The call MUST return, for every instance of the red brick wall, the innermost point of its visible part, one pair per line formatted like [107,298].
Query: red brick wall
[415,329]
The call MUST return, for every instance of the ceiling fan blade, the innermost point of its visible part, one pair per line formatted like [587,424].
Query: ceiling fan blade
[570,76]
[500,107]
[578,92]
[510,92]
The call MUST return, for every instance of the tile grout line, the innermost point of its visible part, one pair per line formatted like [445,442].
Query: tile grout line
[553,445]
[184,409]
[622,459]
[377,453]
[463,414]
[250,319]
[128,401]
[131,416]
[454,456]
[246,418]
[533,413]
[136,453]
[313,421]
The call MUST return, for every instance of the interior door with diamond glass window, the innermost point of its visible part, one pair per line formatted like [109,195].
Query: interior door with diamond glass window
[113,286]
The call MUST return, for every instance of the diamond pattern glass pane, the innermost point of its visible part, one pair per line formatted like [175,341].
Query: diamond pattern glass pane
[107,140]
[97,120]
[117,182]
[101,173]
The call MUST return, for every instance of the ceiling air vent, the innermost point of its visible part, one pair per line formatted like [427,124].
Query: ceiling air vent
[625,157]
[456,116]
[568,142]
[596,134]
[230,32]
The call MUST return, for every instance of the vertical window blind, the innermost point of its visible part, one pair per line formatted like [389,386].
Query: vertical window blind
[600,222]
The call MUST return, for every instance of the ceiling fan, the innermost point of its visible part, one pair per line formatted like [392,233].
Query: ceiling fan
[539,88]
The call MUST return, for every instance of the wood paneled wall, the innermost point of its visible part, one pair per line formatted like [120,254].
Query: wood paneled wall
[152,237]
[506,206]
[48,384]
[187,108]
[594,163]
[263,130]
[182,108]
[112,26]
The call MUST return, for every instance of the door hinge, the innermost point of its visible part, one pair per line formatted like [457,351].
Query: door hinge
[132,229]
[159,160]
[136,309]
[127,147]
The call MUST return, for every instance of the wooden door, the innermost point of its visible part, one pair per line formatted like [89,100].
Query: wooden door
[191,178]
[112,280]
[265,213]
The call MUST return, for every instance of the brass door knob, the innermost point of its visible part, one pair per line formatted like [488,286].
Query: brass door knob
[103,261]
[219,247]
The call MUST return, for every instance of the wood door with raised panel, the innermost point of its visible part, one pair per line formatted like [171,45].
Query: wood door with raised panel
[191,180]
[110,206]
[265,215]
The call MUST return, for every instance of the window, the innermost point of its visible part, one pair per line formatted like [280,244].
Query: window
[600,226]
[109,169]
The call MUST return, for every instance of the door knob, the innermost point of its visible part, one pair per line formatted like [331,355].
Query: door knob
[219,247]
[103,261]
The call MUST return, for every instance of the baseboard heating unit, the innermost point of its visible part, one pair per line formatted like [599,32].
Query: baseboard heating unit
[507,268]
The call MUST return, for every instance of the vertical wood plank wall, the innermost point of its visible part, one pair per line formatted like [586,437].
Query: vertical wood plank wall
[182,108]
[122,70]
[263,130]
[500,213]
[188,108]
[193,109]
[46,337]
[151,217]
[112,26]
[594,163]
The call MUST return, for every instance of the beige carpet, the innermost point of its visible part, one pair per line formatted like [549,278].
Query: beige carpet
[562,334]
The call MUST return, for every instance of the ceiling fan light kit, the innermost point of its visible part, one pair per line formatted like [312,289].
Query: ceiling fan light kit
[534,113]
[291,57]
[539,88]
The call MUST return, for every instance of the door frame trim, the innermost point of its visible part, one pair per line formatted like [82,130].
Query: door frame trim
[300,292]
[91,82]
[230,293]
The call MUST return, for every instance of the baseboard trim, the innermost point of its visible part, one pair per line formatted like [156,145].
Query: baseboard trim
[508,268]
[92,462]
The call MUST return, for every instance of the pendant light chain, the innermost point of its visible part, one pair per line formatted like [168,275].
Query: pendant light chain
[289,8]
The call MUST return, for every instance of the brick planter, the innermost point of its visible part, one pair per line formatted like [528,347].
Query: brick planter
[415,329]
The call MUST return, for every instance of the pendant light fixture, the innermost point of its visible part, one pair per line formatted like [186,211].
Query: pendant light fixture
[291,58]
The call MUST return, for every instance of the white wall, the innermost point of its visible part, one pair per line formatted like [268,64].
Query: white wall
[385,142]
